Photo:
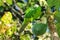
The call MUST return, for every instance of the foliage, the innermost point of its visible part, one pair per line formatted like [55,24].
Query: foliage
[9,2]
[39,28]
[57,27]
[54,3]
[25,37]
[1,3]
[17,15]
[32,13]
[7,18]
[57,16]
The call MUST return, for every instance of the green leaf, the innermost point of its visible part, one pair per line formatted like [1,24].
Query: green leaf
[29,26]
[25,37]
[54,3]
[9,2]
[57,16]
[58,28]
[14,27]
[1,3]
[9,32]
[20,4]
[1,9]
[39,28]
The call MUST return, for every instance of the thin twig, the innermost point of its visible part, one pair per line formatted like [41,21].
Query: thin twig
[50,21]
[19,15]
[20,10]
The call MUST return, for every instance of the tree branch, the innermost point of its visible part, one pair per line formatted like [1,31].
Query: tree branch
[20,10]
[50,20]
[17,13]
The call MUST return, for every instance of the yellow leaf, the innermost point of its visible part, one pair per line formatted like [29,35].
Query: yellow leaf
[6,18]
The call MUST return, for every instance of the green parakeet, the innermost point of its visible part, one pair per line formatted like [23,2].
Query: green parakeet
[31,14]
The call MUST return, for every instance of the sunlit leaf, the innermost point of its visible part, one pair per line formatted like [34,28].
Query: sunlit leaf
[3,28]
[9,2]
[25,37]
[1,3]
[7,18]
[20,4]
[29,26]
[9,32]
[14,27]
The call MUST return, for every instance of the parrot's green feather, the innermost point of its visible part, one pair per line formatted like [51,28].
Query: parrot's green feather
[31,14]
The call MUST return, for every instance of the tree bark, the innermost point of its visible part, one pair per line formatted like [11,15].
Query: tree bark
[52,28]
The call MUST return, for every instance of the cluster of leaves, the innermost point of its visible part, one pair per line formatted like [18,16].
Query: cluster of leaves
[7,25]
[32,12]
[2,5]
[56,15]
